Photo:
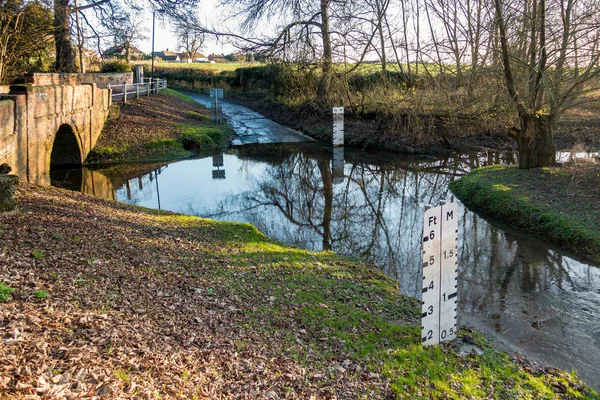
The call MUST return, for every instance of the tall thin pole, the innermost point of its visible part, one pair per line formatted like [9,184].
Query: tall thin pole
[79,41]
[153,22]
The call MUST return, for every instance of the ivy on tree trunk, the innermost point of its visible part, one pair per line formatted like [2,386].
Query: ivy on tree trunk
[65,54]
[536,143]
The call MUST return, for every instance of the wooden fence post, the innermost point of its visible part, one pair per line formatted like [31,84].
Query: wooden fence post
[137,90]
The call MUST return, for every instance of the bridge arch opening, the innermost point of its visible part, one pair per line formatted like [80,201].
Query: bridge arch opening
[65,149]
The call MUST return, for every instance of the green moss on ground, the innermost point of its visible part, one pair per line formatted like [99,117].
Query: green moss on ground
[557,204]
[159,128]
[189,307]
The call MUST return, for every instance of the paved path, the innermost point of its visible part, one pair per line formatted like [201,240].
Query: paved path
[251,127]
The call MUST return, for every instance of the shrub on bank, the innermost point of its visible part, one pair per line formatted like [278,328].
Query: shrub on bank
[193,137]
[115,66]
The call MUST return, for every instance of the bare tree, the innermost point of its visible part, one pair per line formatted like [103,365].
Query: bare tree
[128,32]
[543,76]
[105,10]
[190,39]
[302,20]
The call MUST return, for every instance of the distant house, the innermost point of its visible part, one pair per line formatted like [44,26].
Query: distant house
[196,57]
[217,58]
[167,55]
[121,52]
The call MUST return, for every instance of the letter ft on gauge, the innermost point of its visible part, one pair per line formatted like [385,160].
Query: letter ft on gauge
[440,261]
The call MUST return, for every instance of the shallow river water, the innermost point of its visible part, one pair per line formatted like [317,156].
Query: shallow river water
[531,298]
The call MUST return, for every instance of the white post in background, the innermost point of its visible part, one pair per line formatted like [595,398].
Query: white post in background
[338,165]
[137,90]
[110,92]
[338,126]
[440,261]
[125,93]
[216,109]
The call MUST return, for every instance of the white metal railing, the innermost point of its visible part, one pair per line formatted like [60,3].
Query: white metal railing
[135,90]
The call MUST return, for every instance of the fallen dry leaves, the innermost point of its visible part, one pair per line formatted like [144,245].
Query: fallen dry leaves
[146,119]
[135,311]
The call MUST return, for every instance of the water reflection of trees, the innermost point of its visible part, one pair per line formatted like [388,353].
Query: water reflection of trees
[375,213]
[498,266]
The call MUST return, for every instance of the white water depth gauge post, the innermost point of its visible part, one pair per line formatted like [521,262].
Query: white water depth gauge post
[338,126]
[440,268]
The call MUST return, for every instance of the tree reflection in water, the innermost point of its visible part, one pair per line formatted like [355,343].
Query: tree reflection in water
[374,212]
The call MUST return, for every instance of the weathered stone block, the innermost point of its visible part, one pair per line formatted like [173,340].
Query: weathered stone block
[114,112]
[8,193]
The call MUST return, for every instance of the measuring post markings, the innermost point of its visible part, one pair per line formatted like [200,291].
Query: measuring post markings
[430,309]
[338,165]
[338,126]
[449,271]
[438,309]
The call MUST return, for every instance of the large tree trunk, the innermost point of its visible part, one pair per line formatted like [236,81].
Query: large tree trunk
[536,141]
[325,83]
[65,55]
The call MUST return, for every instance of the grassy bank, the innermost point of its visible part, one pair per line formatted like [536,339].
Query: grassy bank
[557,204]
[114,300]
[162,127]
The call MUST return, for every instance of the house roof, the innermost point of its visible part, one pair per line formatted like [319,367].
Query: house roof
[216,57]
[166,55]
[194,56]
[120,50]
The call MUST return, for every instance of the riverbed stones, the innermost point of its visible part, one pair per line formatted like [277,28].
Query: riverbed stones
[8,190]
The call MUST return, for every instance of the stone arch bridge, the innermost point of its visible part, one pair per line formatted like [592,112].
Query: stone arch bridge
[49,125]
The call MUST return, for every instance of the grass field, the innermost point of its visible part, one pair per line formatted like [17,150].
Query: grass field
[339,67]
[217,67]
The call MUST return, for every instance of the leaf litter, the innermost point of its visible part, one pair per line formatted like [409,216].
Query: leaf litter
[149,304]
[136,311]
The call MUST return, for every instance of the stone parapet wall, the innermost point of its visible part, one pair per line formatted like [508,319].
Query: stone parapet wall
[102,80]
